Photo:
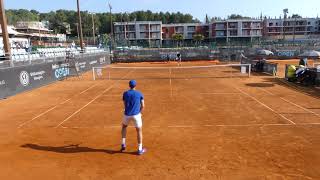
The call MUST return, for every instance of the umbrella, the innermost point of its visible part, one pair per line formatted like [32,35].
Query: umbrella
[264,52]
[310,54]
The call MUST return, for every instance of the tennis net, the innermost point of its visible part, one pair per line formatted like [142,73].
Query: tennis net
[180,72]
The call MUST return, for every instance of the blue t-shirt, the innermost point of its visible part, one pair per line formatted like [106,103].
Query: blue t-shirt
[132,99]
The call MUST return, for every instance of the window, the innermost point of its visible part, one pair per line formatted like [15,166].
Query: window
[190,35]
[234,33]
[132,35]
[309,23]
[191,28]
[270,24]
[233,25]
[219,26]
[131,28]
[155,27]
[220,33]
[179,29]
[246,32]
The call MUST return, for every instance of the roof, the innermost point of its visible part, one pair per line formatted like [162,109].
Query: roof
[12,31]
[137,22]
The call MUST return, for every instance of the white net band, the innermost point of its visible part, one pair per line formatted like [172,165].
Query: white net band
[184,72]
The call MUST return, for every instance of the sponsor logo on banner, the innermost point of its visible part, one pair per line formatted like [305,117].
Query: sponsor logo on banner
[192,54]
[102,60]
[286,53]
[2,82]
[37,76]
[61,72]
[57,66]
[81,65]
[93,62]
[24,78]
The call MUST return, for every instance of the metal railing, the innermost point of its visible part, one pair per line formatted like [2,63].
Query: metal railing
[46,56]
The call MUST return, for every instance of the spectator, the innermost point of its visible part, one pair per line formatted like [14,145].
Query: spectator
[303,62]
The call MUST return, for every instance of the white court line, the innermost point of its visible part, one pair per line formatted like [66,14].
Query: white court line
[264,105]
[23,124]
[220,93]
[180,126]
[54,107]
[199,126]
[290,102]
[253,125]
[88,89]
[101,94]
[171,82]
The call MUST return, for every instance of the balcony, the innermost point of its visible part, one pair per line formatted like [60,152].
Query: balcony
[191,28]
[144,29]
[220,28]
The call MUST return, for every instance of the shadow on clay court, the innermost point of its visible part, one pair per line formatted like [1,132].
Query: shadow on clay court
[308,90]
[260,85]
[74,148]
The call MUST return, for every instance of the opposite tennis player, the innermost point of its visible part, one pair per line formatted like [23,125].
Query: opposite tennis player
[134,104]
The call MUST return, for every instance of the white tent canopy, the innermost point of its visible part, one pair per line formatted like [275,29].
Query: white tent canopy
[265,52]
[312,54]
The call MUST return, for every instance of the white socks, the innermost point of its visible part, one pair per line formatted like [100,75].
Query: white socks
[140,147]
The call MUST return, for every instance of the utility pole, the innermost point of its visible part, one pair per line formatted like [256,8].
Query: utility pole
[4,27]
[294,30]
[80,26]
[40,40]
[285,12]
[77,24]
[93,29]
[111,27]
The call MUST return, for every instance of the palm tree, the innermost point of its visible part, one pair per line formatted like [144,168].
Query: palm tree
[178,38]
[198,38]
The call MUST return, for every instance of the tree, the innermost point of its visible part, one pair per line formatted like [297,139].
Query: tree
[198,38]
[59,20]
[296,16]
[106,39]
[238,16]
[178,38]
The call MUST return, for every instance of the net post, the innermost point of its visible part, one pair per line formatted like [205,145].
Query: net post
[93,74]
[249,70]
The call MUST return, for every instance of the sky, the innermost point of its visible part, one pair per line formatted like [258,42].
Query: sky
[197,8]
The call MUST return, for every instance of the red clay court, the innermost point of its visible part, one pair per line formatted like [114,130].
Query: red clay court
[209,127]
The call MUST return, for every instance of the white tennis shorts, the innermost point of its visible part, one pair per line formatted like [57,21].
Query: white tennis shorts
[137,120]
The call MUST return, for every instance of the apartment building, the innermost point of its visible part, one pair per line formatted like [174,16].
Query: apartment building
[154,33]
[188,30]
[292,28]
[239,29]
[131,33]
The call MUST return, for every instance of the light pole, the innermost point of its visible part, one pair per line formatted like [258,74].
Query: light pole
[111,27]
[93,29]
[40,40]
[294,30]
[4,27]
[78,32]
[80,25]
[285,12]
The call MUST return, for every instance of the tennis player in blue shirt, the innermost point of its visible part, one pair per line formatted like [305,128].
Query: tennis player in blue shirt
[134,104]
